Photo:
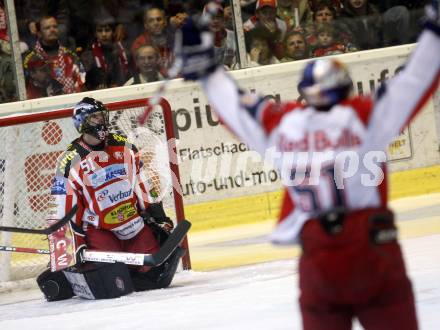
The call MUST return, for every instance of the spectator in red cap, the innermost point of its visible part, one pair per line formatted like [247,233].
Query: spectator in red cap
[40,82]
[266,18]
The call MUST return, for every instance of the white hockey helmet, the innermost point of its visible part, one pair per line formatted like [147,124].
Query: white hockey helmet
[325,82]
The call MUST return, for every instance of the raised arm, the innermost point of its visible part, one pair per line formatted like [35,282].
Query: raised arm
[249,116]
[229,104]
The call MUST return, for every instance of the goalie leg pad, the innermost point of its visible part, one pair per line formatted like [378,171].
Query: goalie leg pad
[159,277]
[54,286]
[100,281]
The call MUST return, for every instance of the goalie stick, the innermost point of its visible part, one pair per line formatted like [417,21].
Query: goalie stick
[139,259]
[155,259]
[46,231]
[4,248]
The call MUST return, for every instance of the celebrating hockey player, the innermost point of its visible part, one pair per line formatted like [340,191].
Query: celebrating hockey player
[101,173]
[351,263]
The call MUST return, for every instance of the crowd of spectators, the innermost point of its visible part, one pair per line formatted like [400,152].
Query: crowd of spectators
[300,29]
[70,46]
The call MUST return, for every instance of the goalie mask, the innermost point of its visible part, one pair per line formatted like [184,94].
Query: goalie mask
[325,82]
[91,117]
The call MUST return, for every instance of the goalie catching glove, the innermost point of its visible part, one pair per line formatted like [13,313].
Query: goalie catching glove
[196,50]
[432,15]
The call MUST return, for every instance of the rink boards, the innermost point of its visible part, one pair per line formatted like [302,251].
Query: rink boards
[250,195]
[417,216]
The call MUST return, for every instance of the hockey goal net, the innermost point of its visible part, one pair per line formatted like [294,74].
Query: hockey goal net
[29,148]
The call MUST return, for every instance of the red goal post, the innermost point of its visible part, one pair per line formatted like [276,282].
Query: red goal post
[30,145]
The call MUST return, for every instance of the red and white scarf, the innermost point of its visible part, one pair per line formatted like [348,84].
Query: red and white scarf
[100,61]
[64,68]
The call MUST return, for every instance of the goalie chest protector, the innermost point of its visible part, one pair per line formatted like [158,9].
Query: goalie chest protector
[100,281]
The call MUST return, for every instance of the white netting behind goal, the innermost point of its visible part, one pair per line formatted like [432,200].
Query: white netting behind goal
[28,156]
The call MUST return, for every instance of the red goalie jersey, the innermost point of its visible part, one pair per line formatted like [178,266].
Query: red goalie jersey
[106,184]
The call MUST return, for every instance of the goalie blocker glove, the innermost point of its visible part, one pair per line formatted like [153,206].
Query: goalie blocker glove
[154,216]
[197,51]
[432,15]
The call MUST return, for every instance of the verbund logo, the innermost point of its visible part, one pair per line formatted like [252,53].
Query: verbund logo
[120,196]
[107,174]
[113,194]
[102,195]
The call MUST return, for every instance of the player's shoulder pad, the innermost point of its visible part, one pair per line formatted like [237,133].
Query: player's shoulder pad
[273,112]
[362,105]
[115,139]
[66,159]
[289,106]
[279,109]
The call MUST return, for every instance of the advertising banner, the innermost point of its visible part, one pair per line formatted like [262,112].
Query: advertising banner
[214,165]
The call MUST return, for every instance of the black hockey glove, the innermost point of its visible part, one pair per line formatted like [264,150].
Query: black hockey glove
[197,50]
[154,216]
[432,15]
[161,227]
[165,224]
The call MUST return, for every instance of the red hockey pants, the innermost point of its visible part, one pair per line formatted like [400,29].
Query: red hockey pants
[345,275]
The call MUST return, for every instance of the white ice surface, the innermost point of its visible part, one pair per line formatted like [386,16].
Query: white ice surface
[262,296]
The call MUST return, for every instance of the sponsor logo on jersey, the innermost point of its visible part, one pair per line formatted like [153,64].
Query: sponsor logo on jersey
[58,186]
[120,196]
[56,206]
[120,214]
[52,213]
[107,174]
[119,138]
[67,158]
[102,195]
[130,229]
[319,140]
[113,194]
[103,157]
[119,155]
[90,217]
